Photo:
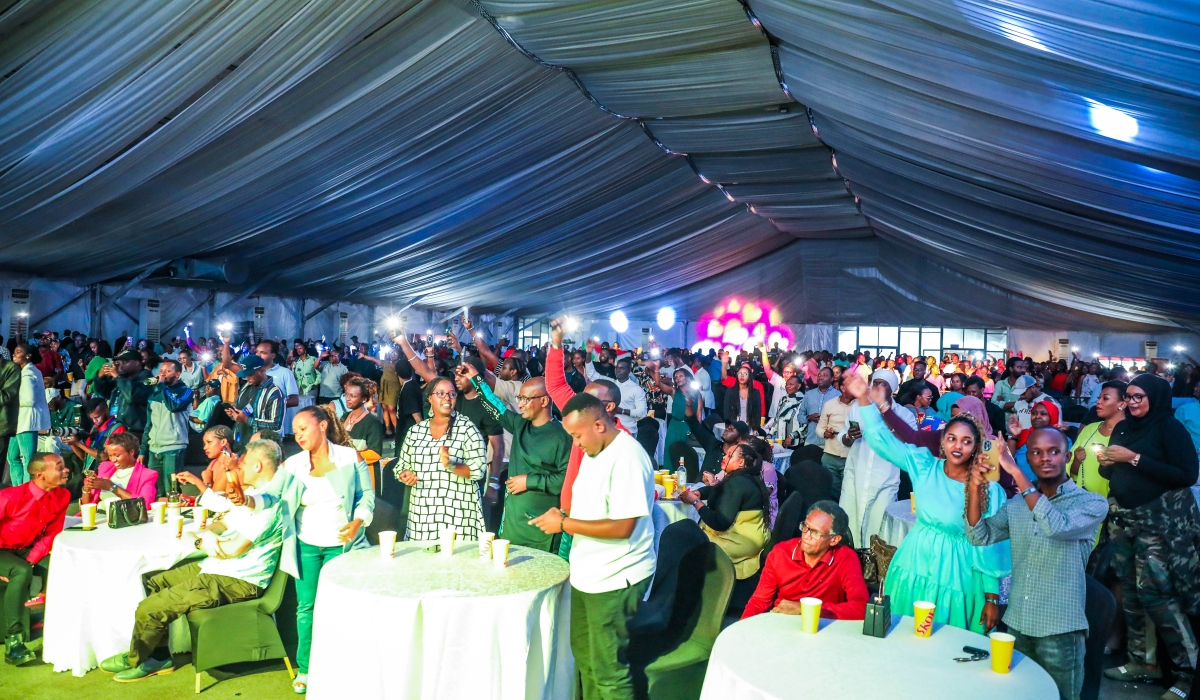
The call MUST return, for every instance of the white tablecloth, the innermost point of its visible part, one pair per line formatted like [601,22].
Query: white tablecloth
[95,585]
[757,659]
[678,510]
[898,519]
[421,625]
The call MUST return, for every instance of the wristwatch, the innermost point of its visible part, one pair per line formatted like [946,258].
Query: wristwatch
[198,543]
[1029,491]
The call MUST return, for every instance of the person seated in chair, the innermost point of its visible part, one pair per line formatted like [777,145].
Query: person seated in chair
[243,551]
[31,515]
[821,563]
[737,513]
[121,476]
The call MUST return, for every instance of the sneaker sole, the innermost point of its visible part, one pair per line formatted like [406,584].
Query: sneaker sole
[161,672]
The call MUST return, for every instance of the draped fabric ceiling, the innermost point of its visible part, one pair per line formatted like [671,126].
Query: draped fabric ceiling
[1027,163]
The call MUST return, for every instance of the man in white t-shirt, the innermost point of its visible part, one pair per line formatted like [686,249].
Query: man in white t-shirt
[612,554]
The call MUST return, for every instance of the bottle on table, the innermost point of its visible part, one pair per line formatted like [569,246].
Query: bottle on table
[681,475]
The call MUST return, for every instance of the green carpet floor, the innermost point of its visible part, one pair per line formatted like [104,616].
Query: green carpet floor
[267,680]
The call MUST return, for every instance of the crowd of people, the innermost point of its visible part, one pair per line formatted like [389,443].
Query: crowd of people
[1038,473]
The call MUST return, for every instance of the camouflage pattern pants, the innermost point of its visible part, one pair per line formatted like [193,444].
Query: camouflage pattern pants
[1139,558]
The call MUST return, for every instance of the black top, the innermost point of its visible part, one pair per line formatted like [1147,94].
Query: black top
[410,403]
[909,389]
[483,419]
[735,494]
[1168,457]
[733,406]
[605,369]
[714,447]
[370,430]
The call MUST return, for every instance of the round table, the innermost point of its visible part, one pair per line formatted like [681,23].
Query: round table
[898,519]
[95,585]
[677,510]
[756,659]
[423,625]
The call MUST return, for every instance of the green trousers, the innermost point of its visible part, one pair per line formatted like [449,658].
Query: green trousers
[20,449]
[599,639]
[312,559]
[166,464]
[175,593]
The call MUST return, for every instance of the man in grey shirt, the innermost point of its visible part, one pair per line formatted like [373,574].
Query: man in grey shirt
[1052,526]
[814,401]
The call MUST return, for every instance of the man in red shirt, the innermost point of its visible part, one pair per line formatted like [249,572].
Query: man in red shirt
[31,515]
[814,565]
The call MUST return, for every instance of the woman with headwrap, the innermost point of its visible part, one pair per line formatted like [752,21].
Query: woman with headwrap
[870,483]
[1042,414]
[1154,530]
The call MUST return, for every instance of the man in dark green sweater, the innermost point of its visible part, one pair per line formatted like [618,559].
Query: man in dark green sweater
[537,465]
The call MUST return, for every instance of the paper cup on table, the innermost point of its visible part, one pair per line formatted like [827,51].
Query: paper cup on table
[387,543]
[499,553]
[485,545]
[1002,651]
[923,618]
[88,511]
[810,615]
[447,541]
[668,483]
[200,517]
[159,511]
[658,477]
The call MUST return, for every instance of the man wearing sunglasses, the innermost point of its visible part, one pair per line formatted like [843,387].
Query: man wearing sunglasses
[537,465]
[818,564]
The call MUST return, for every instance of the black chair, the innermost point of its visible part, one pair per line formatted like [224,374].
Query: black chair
[1100,608]
[811,480]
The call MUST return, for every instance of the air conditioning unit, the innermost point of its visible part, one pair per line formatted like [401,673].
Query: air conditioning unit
[150,320]
[645,338]
[260,322]
[343,327]
[1064,349]
[1149,349]
[18,313]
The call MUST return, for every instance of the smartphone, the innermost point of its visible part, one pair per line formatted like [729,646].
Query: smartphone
[854,426]
[991,457]
[1097,449]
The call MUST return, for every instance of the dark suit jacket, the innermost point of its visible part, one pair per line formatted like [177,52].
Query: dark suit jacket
[10,395]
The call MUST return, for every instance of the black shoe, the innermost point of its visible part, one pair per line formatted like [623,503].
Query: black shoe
[16,653]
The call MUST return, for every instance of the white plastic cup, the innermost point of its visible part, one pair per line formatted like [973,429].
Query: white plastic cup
[499,553]
[159,509]
[387,543]
[485,545]
[447,541]
[174,511]
[88,510]
[200,517]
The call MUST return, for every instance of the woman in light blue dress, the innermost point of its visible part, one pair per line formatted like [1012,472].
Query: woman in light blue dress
[935,563]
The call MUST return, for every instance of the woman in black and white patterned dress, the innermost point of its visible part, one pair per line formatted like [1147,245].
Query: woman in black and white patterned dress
[441,459]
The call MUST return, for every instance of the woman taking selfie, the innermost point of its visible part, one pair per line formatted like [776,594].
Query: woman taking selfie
[935,562]
[331,503]
[1154,531]
[441,459]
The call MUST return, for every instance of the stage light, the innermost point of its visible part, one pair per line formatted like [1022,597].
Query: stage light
[1112,122]
[666,317]
[618,321]
[1179,348]
[572,324]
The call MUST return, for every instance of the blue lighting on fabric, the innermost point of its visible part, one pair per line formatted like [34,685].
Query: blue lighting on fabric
[1111,122]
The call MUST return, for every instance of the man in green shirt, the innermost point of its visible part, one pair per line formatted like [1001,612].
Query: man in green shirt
[537,465]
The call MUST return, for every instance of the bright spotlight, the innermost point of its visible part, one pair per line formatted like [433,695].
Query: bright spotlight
[618,321]
[225,327]
[572,324]
[393,323]
[1112,122]
[666,318]
[1179,348]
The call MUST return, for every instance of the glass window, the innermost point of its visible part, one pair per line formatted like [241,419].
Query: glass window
[868,335]
[931,341]
[952,338]
[847,339]
[973,338]
[997,341]
[890,336]
[910,341]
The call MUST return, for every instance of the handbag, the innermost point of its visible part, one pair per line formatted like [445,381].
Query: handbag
[875,560]
[126,512]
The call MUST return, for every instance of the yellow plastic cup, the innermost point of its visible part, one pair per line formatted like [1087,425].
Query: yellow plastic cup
[658,477]
[923,618]
[88,511]
[668,483]
[912,501]
[810,615]
[1002,651]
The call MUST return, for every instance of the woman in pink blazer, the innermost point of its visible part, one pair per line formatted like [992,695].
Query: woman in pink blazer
[122,450]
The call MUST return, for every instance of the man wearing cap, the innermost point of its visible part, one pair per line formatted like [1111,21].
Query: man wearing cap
[259,403]
[127,385]
[870,482]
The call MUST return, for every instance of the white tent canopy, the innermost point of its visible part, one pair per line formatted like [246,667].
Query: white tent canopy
[1030,164]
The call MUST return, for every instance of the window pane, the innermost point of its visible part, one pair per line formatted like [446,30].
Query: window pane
[997,341]
[931,338]
[868,335]
[952,338]
[910,342]
[889,336]
[973,338]
[847,340]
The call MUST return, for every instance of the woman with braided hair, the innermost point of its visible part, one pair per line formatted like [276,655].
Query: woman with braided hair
[935,562]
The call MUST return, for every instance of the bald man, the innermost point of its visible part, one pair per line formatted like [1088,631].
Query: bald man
[537,465]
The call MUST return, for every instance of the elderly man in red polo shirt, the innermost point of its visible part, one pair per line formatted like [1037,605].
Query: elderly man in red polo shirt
[31,515]
[815,565]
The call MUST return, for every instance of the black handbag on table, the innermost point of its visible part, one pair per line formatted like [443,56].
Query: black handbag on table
[126,512]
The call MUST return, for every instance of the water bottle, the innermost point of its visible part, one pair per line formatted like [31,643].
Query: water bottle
[681,476]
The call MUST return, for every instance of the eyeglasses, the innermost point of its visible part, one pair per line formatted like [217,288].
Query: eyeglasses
[806,531]
[527,399]
[1135,398]
[445,394]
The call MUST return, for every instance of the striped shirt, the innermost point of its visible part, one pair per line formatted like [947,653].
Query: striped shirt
[1050,548]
